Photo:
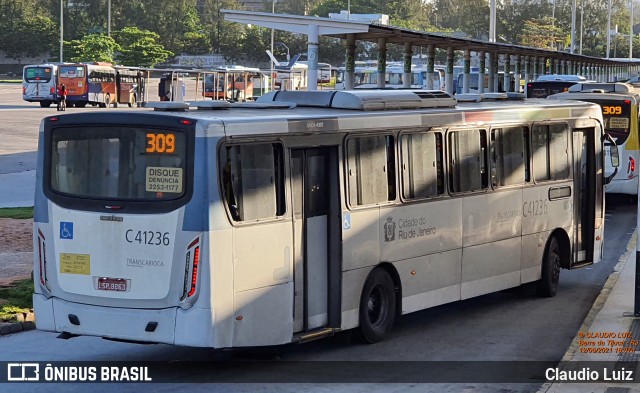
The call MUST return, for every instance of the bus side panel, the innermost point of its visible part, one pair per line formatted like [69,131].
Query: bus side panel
[264,316]
[540,214]
[352,284]
[360,243]
[490,267]
[431,280]
[532,252]
[263,283]
[420,229]
[489,262]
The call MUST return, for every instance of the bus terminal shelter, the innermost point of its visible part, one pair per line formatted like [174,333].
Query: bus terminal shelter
[531,62]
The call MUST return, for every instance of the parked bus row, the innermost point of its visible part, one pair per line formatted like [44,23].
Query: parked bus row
[96,84]
[314,212]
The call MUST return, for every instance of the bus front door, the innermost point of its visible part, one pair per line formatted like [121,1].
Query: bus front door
[584,198]
[316,224]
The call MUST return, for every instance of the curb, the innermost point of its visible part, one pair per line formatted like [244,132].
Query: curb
[16,327]
[27,323]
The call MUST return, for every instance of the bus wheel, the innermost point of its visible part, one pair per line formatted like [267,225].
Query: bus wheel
[80,104]
[377,306]
[45,104]
[548,284]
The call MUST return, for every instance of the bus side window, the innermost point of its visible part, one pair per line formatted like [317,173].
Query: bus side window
[253,181]
[422,175]
[550,152]
[467,160]
[507,156]
[371,169]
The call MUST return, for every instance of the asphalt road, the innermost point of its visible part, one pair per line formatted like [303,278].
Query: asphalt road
[507,326]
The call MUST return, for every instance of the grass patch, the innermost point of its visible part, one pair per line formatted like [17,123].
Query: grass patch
[18,298]
[16,212]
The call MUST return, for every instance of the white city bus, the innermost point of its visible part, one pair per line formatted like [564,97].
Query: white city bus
[39,84]
[306,213]
[620,107]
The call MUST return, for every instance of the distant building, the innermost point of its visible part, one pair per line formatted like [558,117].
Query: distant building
[378,19]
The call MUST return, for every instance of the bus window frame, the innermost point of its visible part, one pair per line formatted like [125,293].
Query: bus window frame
[526,133]
[485,156]
[533,180]
[345,150]
[401,162]
[286,215]
[127,206]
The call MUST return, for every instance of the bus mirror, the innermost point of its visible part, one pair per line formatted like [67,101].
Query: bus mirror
[613,155]
[613,151]
[615,158]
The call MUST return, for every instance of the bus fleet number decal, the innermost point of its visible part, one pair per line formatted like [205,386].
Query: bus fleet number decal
[152,238]
[534,208]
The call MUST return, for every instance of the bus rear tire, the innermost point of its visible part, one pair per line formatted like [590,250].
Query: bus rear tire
[548,283]
[377,307]
[80,104]
[45,104]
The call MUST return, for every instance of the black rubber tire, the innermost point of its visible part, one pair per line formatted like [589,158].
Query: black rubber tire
[548,284]
[80,104]
[45,104]
[377,306]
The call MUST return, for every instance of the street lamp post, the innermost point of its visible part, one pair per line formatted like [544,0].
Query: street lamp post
[273,11]
[61,28]
[286,47]
[109,18]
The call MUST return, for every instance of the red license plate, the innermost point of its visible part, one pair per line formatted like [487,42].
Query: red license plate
[112,284]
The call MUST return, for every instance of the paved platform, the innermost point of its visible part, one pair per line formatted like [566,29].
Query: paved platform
[17,189]
[612,313]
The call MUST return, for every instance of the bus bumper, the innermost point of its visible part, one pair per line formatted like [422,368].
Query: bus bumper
[626,186]
[169,326]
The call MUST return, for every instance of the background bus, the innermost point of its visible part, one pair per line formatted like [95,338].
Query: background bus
[129,86]
[547,85]
[89,83]
[39,84]
[234,83]
[286,225]
[619,103]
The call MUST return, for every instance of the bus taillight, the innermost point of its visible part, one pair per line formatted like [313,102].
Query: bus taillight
[631,168]
[192,265]
[42,257]
[194,273]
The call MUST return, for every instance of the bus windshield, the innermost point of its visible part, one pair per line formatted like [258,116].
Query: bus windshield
[616,116]
[71,71]
[38,74]
[118,163]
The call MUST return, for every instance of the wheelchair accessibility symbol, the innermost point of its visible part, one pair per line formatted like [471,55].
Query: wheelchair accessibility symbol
[66,230]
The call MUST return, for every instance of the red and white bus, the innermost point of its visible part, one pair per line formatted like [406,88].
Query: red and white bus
[89,83]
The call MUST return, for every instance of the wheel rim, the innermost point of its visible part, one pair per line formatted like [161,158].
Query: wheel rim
[376,305]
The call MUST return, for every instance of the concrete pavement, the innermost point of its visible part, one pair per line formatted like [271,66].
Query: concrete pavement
[594,348]
[17,189]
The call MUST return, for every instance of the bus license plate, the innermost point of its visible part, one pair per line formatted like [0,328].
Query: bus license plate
[112,284]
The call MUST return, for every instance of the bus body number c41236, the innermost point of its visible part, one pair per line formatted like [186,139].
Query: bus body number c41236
[152,238]
[611,110]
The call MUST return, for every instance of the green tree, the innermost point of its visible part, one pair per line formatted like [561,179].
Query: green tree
[541,33]
[93,47]
[140,48]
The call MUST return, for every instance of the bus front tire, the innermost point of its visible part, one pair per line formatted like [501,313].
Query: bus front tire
[45,104]
[548,284]
[377,307]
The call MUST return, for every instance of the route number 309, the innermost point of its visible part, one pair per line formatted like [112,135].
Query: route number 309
[611,110]
[161,143]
